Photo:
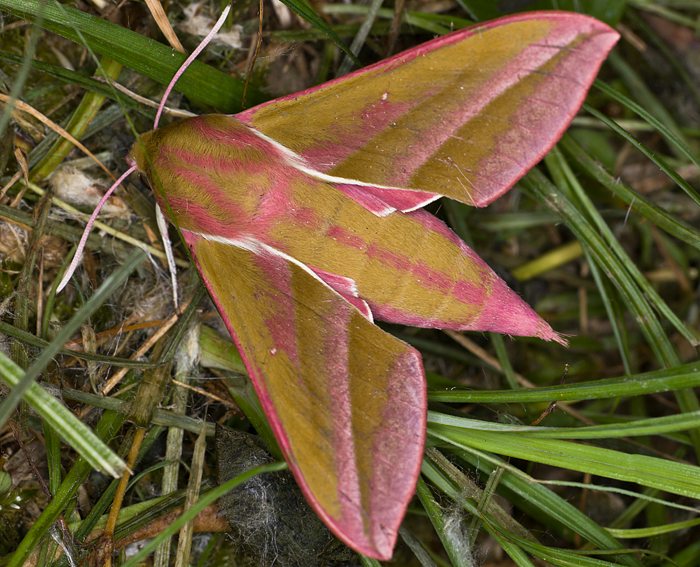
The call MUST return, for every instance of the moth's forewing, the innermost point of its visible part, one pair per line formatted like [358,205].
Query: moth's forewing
[465,115]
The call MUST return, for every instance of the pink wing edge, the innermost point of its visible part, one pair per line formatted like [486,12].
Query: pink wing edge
[383,552]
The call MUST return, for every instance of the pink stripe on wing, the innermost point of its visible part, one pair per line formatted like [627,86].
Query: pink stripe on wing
[396,456]
[335,353]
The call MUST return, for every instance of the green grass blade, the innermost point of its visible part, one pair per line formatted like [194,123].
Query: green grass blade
[586,222]
[657,381]
[654,530]
[672,134]
[62,421]
[515,552]
[77,125]
[32,340]
[305,10]
[634,428]
[639,146]
[22,75]
[455,541]
[615,312]
[523,489]
[107,427]
[670,476]
[201,83]
[638,203]
[69,329]
[360,38]
[649,100]
[71,77]
[564,557]
[434,23]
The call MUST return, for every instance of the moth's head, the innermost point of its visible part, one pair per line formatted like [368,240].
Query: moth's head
[149,153]
[142,152]
[215,135]
[152,157]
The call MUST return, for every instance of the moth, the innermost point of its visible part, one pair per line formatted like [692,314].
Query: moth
[304,218]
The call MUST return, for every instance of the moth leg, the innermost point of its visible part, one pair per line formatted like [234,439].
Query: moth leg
[168,247]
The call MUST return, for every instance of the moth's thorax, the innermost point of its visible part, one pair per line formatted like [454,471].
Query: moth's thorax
[212,174]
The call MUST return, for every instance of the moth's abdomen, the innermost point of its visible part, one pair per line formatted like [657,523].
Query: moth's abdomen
[214,175]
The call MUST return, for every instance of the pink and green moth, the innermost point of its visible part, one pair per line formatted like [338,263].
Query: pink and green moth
[303,216]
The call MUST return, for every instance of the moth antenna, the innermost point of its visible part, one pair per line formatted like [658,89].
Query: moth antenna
[188,62]
[160,218]
[88,228]
[168,247]
[162,225]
